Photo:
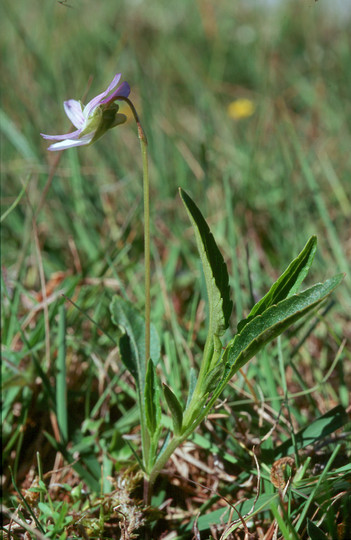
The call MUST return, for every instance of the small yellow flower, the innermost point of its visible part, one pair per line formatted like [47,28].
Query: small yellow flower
[241,108]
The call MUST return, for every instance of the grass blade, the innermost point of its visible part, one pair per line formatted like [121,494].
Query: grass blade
[61,382]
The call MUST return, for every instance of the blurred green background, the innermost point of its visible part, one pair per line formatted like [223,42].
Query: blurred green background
[283,173]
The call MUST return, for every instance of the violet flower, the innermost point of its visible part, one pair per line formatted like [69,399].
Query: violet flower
[93,120]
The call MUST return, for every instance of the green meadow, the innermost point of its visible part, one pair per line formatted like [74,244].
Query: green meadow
[246,106]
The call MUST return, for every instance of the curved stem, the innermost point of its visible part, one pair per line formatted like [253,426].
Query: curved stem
[146,190]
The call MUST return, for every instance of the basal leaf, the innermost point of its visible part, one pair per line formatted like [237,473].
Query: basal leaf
[175,408]
[153,411]
[215,269]
[132,342]
[288,283]
[263,328]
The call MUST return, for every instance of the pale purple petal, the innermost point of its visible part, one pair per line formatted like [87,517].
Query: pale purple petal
[89,118]
[73,109]
[97,99]
[72,135]
[70,143]
[122,90]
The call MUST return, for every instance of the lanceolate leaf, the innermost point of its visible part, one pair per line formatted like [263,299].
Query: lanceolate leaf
[175,409]
[263,328]
[288,283]
[152,399]
[215,270]
[132,342]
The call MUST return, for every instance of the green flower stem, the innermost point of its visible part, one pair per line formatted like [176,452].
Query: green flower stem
[143,144]
[146,190]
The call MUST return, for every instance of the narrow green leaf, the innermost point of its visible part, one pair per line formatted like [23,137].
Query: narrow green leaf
[25,504]
[61,383]
[320,480]
[319,429]
[288,283]
[214,267]
[153,411]
[140,463]
[264,328]
[175,408]
[132,342]
[282,522]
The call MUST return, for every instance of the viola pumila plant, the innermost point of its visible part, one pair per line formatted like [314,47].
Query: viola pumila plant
[139,344]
